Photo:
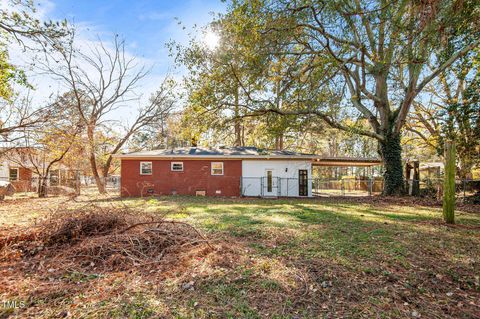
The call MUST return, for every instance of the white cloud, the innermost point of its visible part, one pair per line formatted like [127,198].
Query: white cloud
[156,16]
[44,8]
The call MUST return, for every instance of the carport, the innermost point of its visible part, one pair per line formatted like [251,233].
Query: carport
[346,176]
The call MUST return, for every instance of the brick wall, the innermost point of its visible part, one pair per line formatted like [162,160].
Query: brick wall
[24,183]
[196,176]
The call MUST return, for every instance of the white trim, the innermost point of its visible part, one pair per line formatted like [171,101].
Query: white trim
[151,168]
[18,174]
[176,163]
[211,168]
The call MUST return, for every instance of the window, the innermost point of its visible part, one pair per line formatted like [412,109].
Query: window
[217,168]
[145,168]
[54,177]
[14,174]
[177,167]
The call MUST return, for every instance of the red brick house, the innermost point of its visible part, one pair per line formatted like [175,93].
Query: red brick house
[236,171]
[19,166]
[16,172]
[23,182]
[180,176]
[185,171]
[200,171]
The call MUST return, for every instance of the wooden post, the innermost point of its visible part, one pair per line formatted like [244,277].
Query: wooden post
[77,183]
[369,186]
[416,179]
[449,184]
[408,170]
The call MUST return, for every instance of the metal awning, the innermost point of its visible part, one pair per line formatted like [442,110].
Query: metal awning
[347,161]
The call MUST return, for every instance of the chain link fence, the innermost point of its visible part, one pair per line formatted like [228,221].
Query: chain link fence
[467,190]
[54,186]
[292,187]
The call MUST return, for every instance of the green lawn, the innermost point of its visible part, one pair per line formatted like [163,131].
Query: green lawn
[301,259]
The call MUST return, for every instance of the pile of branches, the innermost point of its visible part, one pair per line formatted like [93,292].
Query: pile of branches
[103,239]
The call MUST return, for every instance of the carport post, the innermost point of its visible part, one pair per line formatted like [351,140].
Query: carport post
[77,183]
[241,186]
[370,184]
[261,186]
[279,186]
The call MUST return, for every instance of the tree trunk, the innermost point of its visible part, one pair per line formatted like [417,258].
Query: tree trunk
[98,180]
[391,152]
[238,133]
[279,142]
[465,169]
[93,161]
[238,124]
[42,187]
[243,135]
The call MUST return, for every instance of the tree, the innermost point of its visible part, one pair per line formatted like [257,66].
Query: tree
[17,115]
[213,92]
[18,23]
[378,50]
[41,148]
[452,113]
[451,110]
[161,103]
[101,79]
[169,132]
[227,85]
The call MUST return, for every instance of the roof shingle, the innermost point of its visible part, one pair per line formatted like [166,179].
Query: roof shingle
[221,151]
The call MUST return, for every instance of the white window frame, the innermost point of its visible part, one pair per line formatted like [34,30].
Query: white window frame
[211,168]
[18,174]
[176,163]
[151,169]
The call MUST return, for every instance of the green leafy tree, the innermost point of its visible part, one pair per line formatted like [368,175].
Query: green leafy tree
[215,102]
[377,50]
[449,108]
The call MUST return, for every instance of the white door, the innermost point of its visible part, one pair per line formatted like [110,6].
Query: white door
[269,183]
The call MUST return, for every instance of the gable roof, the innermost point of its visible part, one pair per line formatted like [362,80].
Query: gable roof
[221,152]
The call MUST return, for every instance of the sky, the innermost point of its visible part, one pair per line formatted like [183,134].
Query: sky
[145,25]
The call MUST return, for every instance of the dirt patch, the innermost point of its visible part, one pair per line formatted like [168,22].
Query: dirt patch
[382,201]
[441,223]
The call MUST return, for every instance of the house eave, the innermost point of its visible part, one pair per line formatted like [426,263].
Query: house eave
[210,157]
